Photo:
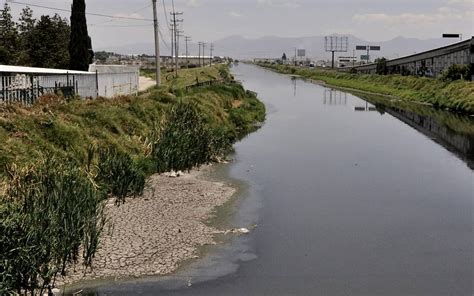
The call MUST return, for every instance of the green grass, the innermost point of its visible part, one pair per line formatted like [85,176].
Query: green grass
[67,129]
[457,96]
[187,77]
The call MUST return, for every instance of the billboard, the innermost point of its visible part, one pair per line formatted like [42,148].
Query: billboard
[336,43]
[375,48]
[301,52]
[361,47]
[451,35]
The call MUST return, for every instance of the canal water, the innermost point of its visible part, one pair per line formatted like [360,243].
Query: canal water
[350,197]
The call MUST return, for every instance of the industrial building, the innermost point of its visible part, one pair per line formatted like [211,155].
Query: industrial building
[429,63]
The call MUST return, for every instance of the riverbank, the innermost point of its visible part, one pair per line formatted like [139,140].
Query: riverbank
[63,160]
[456,96]
[155,233]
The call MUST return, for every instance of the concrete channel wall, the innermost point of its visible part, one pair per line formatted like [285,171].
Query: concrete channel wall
[429,63]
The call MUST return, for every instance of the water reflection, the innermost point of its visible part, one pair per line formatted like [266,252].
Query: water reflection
[294,81]
[335,97]
[452,131]
[366,108]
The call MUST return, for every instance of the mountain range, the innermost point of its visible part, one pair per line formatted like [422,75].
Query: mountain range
[273,47]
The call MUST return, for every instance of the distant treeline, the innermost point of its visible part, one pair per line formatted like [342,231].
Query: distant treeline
[43,42]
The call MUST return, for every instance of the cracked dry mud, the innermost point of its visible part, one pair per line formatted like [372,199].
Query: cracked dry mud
[152,234]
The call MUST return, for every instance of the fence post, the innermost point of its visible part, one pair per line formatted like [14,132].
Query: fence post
[75,86]
[97,83]
[32,96]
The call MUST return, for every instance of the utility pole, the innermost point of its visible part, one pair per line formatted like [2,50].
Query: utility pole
[172,45]
[187,39]
[200,44]
[353,57]
[295,55]
[210,58]
[203,55]
[157,45]
[179,34]
[174,25]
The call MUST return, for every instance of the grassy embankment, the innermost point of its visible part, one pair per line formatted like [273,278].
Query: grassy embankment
[60,160]
[66,129]
[457,96]
[186,77]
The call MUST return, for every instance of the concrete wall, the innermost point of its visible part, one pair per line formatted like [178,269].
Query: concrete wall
[429,63]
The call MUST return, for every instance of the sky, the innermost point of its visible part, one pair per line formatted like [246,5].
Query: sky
[210,20]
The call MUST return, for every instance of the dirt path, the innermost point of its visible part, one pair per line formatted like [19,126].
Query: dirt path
[145,83]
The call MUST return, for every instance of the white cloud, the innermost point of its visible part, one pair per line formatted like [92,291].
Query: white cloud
[279,3]
[441,14]
[235,14]
[193,3]
[464,2]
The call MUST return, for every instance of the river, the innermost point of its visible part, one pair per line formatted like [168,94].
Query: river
[350,198]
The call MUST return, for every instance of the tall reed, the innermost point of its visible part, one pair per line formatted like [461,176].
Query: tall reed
[48,211]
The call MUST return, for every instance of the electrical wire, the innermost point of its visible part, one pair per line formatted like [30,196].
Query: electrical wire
[163,39]
[88,13]
[113,20]
[166,16]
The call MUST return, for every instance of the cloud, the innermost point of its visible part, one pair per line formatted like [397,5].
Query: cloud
[193,3]
[235,14]
[279,3]
[441,14]
[463,2]
[131,15]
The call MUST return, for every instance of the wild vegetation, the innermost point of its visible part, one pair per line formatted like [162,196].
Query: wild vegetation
[61,160]
[457,96]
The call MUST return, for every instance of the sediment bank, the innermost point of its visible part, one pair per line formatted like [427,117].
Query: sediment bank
[153,234]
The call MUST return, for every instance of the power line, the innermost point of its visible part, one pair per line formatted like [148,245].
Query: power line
[117,26]
[112,20]
[163,39]
[166,15]
[88,13]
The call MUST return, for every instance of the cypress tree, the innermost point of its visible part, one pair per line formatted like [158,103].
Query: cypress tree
[80,45]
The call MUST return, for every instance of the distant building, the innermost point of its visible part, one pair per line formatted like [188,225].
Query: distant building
[429,63]
[346,61]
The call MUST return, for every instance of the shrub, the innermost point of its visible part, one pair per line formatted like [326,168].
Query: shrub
[456,72]
[117,174]
[186,141]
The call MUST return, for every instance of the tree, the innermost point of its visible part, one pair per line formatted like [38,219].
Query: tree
[49,43]
[382,68]
[80,44]
[26,26]
[8,37]
[284,58]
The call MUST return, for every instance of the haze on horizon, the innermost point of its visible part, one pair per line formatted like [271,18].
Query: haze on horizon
[210,20]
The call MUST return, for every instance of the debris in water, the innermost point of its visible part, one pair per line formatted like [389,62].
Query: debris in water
[238,231]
